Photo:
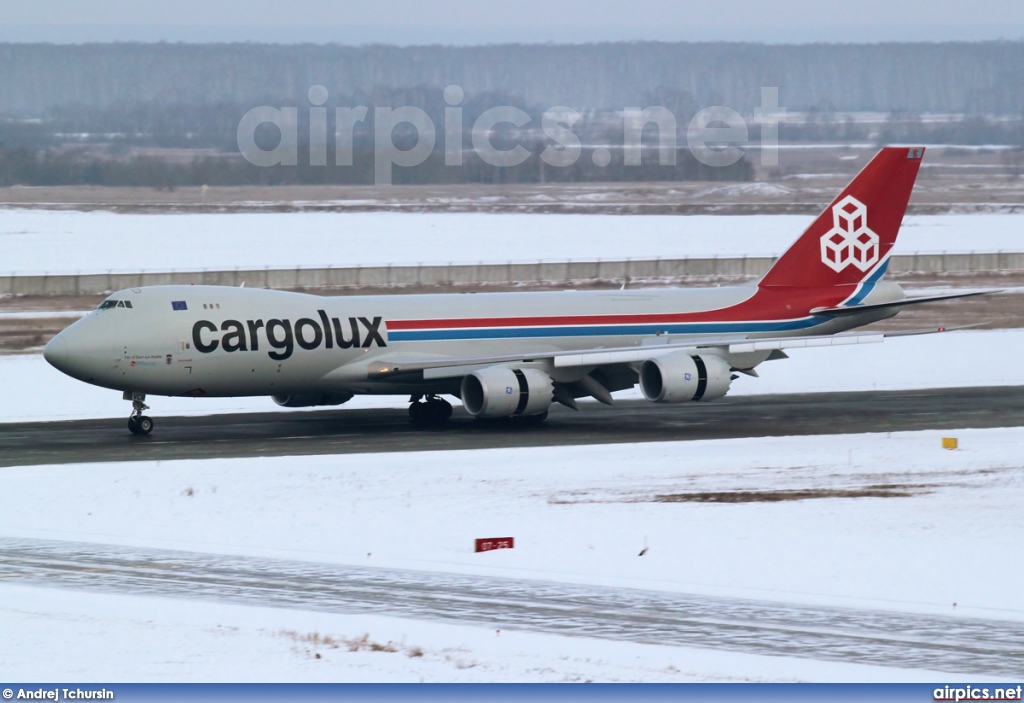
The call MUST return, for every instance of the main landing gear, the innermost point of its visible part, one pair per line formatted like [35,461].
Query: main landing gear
[139,423]
[430,411]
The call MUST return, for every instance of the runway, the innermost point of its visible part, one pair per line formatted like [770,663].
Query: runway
[341,431]
[882,638]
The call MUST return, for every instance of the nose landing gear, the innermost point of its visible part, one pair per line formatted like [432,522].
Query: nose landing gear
[430,412]
[139,423]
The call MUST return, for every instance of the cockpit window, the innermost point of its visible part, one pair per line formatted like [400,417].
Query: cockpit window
[106,304]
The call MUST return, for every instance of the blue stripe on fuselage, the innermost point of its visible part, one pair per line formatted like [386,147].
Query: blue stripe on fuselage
[602,331]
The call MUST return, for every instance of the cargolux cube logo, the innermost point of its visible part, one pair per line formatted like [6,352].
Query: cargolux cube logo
[849,241]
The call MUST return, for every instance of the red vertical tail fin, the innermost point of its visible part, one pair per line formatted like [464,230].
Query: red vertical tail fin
[850,241]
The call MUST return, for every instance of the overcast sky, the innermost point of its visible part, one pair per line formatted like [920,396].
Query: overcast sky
[480,22]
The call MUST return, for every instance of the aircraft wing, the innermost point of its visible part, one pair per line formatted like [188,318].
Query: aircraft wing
[448,367]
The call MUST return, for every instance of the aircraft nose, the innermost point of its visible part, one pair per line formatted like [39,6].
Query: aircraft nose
[56,352]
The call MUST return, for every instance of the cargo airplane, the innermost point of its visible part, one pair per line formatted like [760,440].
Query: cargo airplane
[504,355]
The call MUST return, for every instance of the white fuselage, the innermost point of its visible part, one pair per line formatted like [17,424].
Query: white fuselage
[220,341]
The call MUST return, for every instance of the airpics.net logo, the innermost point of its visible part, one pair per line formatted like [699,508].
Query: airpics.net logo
[850,242]
[712,135]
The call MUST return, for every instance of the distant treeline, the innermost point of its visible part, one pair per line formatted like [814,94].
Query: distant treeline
[22,166]
[110,113]
[902,128]
[214,125]
[141,152]
[949,77]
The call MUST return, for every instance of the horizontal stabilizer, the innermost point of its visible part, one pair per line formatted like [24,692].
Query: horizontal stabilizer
[932,330]
[854,309]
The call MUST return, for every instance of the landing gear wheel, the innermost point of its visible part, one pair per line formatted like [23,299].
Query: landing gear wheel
[431,412]
[139,423]
[441,409]
[418,413]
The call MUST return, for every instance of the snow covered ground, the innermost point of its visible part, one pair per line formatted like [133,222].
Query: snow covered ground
[949,532]
[946,533]
[38,392]
[68,242]
[581,514]
[52,635]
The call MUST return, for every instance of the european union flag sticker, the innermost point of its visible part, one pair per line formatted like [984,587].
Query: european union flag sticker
[178,305]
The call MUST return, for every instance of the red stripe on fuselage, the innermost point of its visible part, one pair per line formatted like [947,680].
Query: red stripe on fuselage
[777,303]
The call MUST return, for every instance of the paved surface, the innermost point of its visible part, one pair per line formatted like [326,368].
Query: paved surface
[953,644]
[340,431]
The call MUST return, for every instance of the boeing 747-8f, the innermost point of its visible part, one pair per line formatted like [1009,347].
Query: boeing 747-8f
[503,354]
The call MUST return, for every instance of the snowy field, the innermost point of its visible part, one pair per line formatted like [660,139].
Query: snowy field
[578,514]
[38,392]
[53,635]
[69,242]
[949,533]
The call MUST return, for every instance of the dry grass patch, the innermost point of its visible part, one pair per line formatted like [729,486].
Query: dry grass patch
[316,640]
[879,491]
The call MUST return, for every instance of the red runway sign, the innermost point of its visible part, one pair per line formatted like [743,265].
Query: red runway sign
[486,545]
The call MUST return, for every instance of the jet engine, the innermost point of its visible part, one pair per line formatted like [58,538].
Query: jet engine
[503,392]
[309,400]
[679,377]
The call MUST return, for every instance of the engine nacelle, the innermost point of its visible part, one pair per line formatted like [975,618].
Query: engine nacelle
[503,392]
[309,400]
[679,377]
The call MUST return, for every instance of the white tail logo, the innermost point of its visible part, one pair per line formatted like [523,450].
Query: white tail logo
[849,241]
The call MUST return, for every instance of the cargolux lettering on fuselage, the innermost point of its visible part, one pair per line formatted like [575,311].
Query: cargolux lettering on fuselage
[282,337]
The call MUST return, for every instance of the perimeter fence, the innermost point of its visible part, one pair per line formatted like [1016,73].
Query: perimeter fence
[511,273]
